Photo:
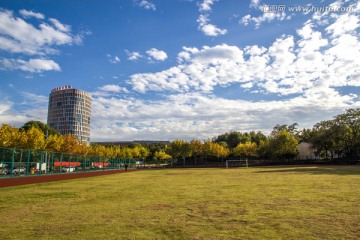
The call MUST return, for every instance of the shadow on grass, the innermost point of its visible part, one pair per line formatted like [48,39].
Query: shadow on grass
[338,170]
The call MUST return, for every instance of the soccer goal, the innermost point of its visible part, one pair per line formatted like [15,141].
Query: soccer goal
[237,163]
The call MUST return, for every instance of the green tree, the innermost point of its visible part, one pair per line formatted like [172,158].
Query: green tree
[179,150]
[264,149]
[47,131]
[348,129]
[283,145]
[323,137]
[291,129]
[257,137]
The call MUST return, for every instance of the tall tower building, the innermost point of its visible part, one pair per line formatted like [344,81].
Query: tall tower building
[69,112]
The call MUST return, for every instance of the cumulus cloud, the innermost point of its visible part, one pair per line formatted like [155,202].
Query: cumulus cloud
[203,20]
[304,72]
[195,115]
[205,6]
[292,64]
[155,54]
[207,28]
[33,65]
[18,36]
[145,4]
[21,38]
[265,17]
[133,56]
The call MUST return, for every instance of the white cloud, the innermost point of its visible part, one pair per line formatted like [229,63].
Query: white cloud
[344,24]
[307,71]
[33,65]
[205,6]
[203,20]
[18,36]
[209,29]
[29,14]
[155,54]
[34,107]
[265,17]
[195,115]
[145,4]
[36,99]
[61,27]
[292,64]
[113,59]
[133,56]
[9,116]
[255,4]
[113,88]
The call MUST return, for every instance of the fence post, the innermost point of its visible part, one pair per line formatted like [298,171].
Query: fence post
[28,163]
[77,160]
[12,162]
[52,163]
[61,158]
[41,161]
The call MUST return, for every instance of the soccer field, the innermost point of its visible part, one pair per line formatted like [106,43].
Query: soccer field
[253,203]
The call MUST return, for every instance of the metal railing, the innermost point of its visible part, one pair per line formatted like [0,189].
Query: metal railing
[25,162]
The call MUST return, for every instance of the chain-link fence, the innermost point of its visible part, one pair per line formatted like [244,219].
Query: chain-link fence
[24,162]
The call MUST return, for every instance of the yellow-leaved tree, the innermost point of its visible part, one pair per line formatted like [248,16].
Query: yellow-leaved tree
[8,136]
[246,150]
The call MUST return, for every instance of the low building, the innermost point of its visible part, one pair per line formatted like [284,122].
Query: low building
[305,151]
[127,143]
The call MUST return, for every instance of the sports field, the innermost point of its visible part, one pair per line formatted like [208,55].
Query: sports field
[253,203]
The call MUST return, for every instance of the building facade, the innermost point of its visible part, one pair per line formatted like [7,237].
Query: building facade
[127,143]
[69,112]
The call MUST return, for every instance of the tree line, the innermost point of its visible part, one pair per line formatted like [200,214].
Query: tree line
[339,136]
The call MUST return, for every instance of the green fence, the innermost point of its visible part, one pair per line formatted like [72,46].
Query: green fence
[24,162]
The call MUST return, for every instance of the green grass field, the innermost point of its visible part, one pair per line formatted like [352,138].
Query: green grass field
[253,203]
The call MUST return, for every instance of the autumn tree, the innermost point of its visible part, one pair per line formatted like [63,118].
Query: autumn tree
[33,139]
[246,150]
[54,143]
[8,136]
[196,148]
[161,157]
[214,150]
[179,150]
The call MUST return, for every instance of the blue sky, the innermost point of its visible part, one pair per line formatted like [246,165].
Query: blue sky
[181,69]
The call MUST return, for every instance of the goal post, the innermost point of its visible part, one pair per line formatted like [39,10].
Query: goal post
[228,162]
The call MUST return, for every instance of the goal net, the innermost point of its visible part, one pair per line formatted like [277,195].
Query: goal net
[237,163]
